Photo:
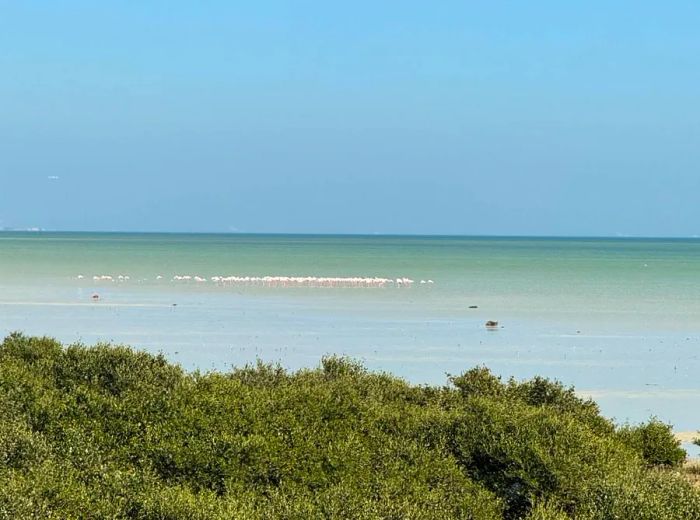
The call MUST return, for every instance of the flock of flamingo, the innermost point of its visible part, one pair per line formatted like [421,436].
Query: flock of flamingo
[279,281]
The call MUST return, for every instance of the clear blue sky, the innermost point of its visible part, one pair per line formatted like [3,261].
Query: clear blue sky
[546,117]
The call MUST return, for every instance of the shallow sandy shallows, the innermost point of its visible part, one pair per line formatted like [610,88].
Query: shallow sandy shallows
[687,436]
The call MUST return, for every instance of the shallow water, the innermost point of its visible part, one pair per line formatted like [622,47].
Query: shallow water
[617,318]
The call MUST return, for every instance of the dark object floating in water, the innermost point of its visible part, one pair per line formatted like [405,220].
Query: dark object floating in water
[491,324]
[473,306]
[174,304]
[95,297]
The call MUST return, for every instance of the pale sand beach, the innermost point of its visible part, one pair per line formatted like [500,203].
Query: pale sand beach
[686,437]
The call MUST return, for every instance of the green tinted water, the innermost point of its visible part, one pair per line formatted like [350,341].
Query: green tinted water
[619,318]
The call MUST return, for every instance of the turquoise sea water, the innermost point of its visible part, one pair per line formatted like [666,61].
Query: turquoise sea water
[617,318]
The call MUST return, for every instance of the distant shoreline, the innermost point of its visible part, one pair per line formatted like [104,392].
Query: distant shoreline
[41,231]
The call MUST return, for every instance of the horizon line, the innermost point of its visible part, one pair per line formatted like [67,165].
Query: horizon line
[37,231]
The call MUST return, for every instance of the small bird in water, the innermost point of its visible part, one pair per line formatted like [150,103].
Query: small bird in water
[95,297]
[491,324]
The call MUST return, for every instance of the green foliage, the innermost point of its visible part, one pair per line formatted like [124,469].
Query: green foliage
[544,511]
[655,442]
[478,382]
[107,432]
[641,495]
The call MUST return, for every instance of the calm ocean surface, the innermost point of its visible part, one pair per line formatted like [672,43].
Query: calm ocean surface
[617,318]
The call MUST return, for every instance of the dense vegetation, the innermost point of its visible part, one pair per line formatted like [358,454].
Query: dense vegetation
[108,432]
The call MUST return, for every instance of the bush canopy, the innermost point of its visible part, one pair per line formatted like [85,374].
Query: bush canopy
[109,432]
